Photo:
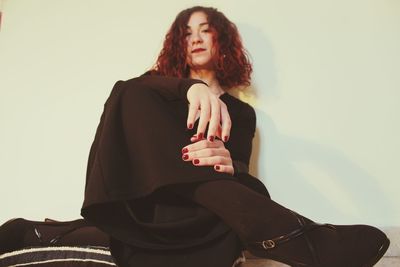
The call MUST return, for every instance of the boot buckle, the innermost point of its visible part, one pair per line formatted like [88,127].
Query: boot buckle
[268,244]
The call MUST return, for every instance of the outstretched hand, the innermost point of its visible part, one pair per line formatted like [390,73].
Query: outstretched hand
[211,110]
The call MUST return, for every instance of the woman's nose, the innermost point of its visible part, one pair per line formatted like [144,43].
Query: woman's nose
[196,38]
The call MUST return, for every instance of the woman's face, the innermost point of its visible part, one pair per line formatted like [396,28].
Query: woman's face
[200,46]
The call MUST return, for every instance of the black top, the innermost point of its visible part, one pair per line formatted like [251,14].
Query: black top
[136,154]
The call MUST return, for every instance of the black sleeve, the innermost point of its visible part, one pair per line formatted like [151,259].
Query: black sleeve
[242,133]
[171,88]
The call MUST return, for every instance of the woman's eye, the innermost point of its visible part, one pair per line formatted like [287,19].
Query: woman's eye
[188,33]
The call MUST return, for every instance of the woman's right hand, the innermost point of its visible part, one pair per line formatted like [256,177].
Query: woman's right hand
[211,110]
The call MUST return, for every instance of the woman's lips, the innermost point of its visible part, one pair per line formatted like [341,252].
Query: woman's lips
[198,50]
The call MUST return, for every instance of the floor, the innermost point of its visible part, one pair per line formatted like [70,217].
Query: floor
[385,262]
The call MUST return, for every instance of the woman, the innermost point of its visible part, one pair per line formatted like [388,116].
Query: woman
[168,181]
[154,204]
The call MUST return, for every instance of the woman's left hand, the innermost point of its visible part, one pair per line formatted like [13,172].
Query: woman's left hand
[206,153]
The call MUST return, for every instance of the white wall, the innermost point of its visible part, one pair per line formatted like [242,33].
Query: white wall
[326,90]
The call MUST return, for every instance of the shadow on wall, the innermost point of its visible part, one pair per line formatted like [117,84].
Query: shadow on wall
[343,184]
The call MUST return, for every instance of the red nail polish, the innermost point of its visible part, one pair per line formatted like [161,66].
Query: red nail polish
[185,150]
[185,157]
[196,161]
[211,138]
[226,138]
[190,126]
[200,136]
[217,167]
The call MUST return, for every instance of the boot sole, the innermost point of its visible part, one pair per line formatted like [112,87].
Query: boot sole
[382,250]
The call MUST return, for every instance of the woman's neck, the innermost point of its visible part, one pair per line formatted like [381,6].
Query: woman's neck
[209,78]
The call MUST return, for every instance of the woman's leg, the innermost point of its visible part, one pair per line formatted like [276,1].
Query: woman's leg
[256,218]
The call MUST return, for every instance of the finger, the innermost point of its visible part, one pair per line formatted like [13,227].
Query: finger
[194,139]
[208,153]
[202,144]
[204,118]
[219,132]
[192,114]
[214,119]
[211,161]
[226,123]
[198,144]
[224,168]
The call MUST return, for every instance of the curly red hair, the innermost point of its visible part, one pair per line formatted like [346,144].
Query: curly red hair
[231,62]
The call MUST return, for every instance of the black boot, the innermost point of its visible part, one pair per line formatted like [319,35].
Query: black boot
[327,245]
[272,231]
[20,233]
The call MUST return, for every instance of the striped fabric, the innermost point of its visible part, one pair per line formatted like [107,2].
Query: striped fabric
[58,257]
[65,257]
